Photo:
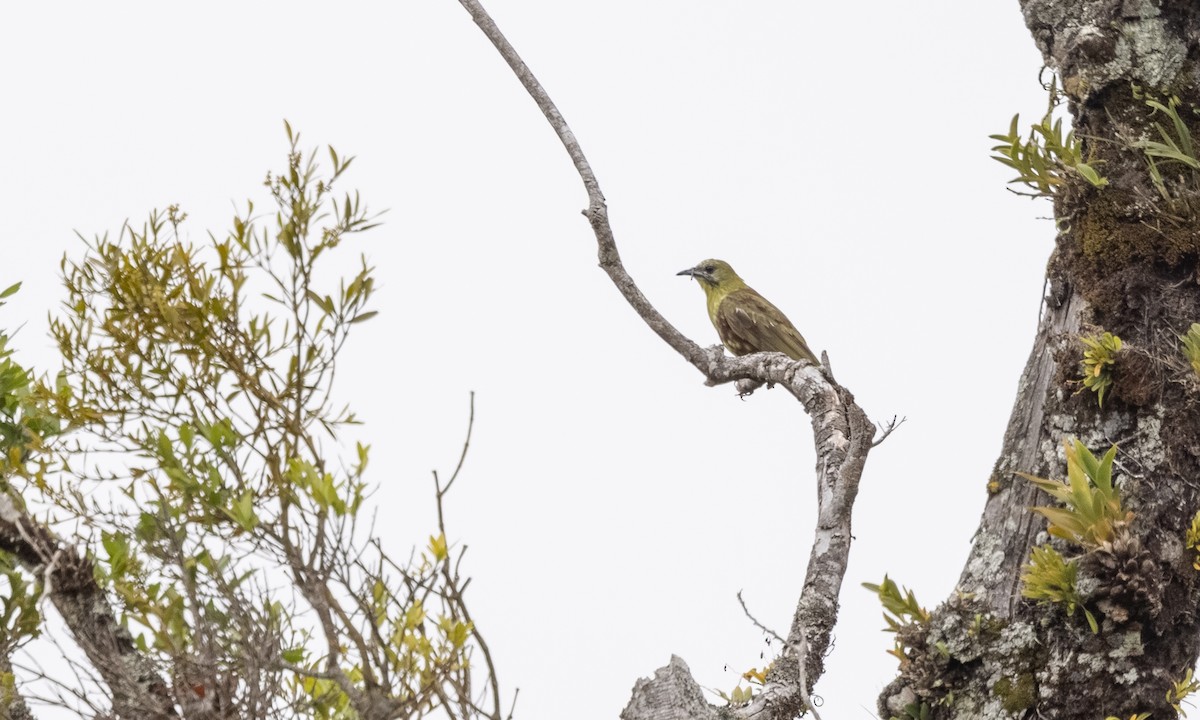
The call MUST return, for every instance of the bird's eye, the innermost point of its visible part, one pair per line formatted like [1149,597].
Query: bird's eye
[709,268]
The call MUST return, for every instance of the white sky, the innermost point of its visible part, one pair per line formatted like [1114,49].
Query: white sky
[835,153]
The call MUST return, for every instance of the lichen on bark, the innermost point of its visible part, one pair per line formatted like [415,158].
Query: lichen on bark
[1126,262]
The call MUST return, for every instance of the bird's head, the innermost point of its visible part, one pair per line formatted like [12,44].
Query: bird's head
[714,275]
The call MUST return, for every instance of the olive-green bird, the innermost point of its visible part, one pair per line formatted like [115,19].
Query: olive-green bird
[745,321]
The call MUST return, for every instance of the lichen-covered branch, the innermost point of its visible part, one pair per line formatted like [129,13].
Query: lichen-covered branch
[136,688]
[842,434]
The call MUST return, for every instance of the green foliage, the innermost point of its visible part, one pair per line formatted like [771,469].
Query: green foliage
[1136,716]
[1193,539]
[914,711]
[8,694]
[1016,694]
[202,378]
[758,677]
[1099,357]
[1093,503]
[1045,158]
[20,619]
[27,424]
[1176,145]
[1175,150]
[1050,578]
[1092,516]
[1180,690]
[900,605]
[1191,347]
[740,696]
[27,417]
[900,611]
[14,390]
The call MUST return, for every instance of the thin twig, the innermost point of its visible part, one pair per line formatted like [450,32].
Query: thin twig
[454,592]
[466,444]
[799,648]
[888,429]
[513,707]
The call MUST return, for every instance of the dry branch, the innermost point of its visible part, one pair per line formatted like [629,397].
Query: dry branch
[842,432]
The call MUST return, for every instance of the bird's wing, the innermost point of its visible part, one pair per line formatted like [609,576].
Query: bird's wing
[747,322]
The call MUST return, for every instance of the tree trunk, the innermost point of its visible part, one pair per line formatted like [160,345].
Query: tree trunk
[1125,262]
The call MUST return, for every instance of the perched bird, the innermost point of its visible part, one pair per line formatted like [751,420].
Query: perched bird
[745,321]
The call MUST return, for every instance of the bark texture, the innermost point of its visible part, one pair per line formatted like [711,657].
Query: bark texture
[136,688]
[1125,262]
[671,694]
[843,436]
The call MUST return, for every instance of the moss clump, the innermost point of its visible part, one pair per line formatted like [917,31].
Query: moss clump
[1016,695]
[1111,236]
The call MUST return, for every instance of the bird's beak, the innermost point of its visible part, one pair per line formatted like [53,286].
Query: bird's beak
[691,272]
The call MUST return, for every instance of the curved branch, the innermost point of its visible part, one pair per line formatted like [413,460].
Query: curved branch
[597,210]
[842,432]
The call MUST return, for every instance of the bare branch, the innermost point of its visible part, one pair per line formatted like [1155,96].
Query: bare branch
[842,432]
[454,590]
[888,429]
[462,456]
[597,210]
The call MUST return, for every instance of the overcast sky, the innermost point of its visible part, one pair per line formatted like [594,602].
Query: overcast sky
[835,153]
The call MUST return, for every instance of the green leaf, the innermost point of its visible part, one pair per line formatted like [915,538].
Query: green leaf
[1093,504]
[325,303]
[458,634]
[1090,175]
[1103,476]
[415,615]
[437,546]
[10,290]
[242,511]
[1091,620]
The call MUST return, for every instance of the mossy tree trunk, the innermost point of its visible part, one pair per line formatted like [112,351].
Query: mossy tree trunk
[1125,262]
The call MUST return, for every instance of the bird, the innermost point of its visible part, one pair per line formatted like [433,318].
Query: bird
[745,321]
